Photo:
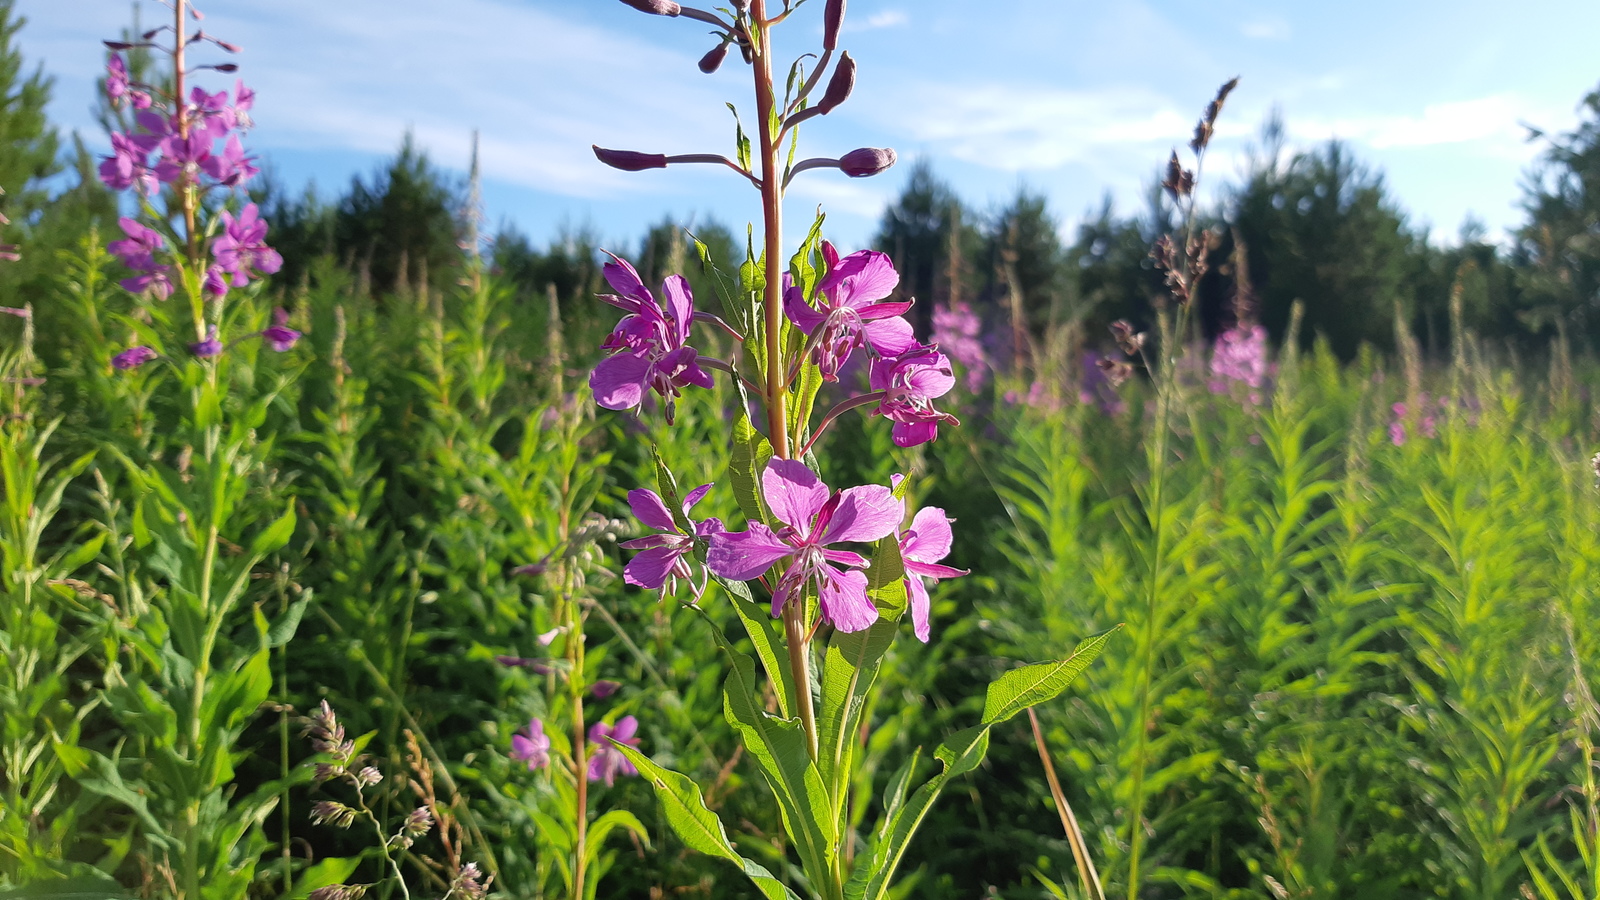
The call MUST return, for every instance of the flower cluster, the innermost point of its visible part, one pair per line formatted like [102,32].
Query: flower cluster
[177,146]
[649,347]
[606,762]
[957,330]
[1239,359]
[1422,418]
[190,144]
[850,311]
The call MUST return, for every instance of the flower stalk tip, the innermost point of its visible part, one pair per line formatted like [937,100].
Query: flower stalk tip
[630,160]
[656,7]
[832,24]
[839,86]
[867,161]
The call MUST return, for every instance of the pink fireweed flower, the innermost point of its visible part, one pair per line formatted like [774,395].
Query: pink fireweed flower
[138,252]
[531,746]
[184,157]
[116,80]
[215,285]
[910,383]
[231,167]
[848,314]
[958,331]
[128,165]
[209,347]
[1240,358]
[242,247]
[243,99]
[650,344]
[813,518]
[606,761]
[279,336]
[663,561]
[132,358]
[921,547]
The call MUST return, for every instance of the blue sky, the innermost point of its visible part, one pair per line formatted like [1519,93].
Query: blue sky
[1072,99]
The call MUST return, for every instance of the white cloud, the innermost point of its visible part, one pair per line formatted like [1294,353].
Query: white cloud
[1271,28]
[539,86]
[1489,125]
[889,18]
[1030,127]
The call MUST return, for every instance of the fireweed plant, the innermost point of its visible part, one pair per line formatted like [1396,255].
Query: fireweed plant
[194,663]
[833,611]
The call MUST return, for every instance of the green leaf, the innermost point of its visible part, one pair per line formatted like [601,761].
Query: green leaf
[333,870]
[779,747]
[873,871]
[698,827]
[667,486]
[849,667]
[602,827]
[283,630]
[766,635]
[751,451]
[734,303]
[1019,689]
[275,535]
[82,888]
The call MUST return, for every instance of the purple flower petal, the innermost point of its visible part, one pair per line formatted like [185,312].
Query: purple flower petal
[625,280]
[921,609]
[910,434]
[793,492]
[648,508]
[865,513]
[889,337]
[680,305]
[861,278]
[929,538]
[694,497]
[650,568]
[619,381]
[625,729]
[800,312]
[844,601]
[744,555]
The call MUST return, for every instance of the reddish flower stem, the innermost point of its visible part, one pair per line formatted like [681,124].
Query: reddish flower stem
[776,396]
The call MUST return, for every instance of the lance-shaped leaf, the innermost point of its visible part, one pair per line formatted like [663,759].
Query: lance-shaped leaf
[779,748]
[850,667]
[697,826]
[766,634]
[960,753]
[751,451]
[1019,689]
[595,838]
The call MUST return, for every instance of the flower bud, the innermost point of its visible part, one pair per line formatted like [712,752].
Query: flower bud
[713,60]
[866,161]
[629,160]
[655,7]
[832,21]
[839,86]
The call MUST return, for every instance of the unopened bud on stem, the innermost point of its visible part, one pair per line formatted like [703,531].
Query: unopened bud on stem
[713,60]
[655,7]
[839,86]
[866,161]
[629,160]
[832,22]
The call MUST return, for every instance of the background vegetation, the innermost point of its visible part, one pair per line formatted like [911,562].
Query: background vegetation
[1359,665]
